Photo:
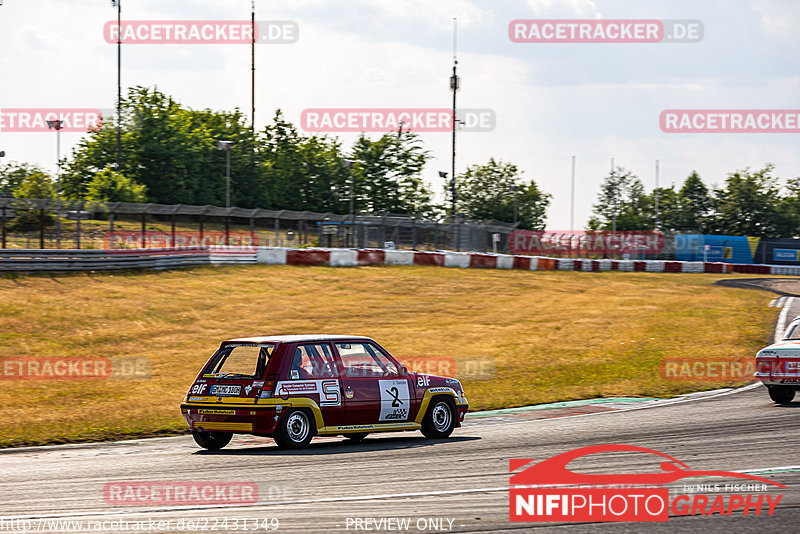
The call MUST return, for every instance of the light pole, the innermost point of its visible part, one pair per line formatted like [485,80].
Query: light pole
[2,155]
[253,65]
[453,194]
[57,125]
[118,5]
[655,226]
[615,186]
[226,146]
[455,83]
[454,198]
[348,163]
[514,191]
[572,198]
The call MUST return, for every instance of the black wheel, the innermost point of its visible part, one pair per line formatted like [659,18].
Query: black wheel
[294,430]
[212,441]
[781,394]
[355,438]
[440,420]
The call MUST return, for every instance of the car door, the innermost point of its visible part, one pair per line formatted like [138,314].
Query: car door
[312,372]
[374,391]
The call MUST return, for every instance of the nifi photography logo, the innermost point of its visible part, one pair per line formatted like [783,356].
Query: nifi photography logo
[548,491]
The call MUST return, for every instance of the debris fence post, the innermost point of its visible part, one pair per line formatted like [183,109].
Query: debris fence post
[41,228]
[4,226]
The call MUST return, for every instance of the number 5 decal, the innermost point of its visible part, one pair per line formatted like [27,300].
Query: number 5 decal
[330,394]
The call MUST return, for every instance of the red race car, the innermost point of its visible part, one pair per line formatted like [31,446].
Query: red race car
[294,387]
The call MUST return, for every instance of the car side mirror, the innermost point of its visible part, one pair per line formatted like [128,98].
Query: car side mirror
[403,370]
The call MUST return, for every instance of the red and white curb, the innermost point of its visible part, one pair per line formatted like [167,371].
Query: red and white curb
[335,257]
[344,257]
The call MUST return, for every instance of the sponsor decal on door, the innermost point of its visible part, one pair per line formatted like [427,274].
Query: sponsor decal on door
[395,400]
[328,390]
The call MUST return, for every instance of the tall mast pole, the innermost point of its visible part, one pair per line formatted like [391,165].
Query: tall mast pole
[119,85]
[253,64]
[572,199]
[656,198]
[454,83]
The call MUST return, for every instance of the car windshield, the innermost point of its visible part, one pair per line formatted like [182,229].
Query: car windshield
[241,360]
[793,332]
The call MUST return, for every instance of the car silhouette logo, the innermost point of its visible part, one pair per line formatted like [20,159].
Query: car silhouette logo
[554,470]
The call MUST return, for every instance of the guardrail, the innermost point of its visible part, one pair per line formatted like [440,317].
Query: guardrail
[63,260]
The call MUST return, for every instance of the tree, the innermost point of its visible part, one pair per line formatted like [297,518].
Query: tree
[389,174]
[669,209]
[790,209]
[302,173]
[622,204]
[694,204]
[172,151]
[487,192]
[12,174]
[749,204]
[532,207]
[34,185]
[685,210]
[111,186]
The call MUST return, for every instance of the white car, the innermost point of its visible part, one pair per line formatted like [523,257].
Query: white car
[778,365]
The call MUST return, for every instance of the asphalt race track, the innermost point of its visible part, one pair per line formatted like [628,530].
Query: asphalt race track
[459,484]
[464,478]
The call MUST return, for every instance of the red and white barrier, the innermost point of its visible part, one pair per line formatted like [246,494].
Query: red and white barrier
[166,258]
[474,260]
[400,257]
[339,257]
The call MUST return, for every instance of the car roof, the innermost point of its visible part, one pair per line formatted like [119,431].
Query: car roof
[296,338]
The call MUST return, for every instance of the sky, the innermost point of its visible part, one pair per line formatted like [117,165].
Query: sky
[552,101]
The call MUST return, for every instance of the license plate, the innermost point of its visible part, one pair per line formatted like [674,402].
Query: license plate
[792,365]
[225,391]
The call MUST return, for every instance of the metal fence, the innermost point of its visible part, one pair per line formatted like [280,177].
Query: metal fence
[31,224]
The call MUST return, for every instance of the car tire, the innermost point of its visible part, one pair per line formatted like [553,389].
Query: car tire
[781,394]
[355,438]
[440,419]
[295,430]
[212,441]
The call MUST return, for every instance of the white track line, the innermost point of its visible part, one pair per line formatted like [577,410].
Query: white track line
[398,495]
[780,326]
[267,503]
[666,402]
[354,498]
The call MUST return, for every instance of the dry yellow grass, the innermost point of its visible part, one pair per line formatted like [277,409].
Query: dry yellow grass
[554,335]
